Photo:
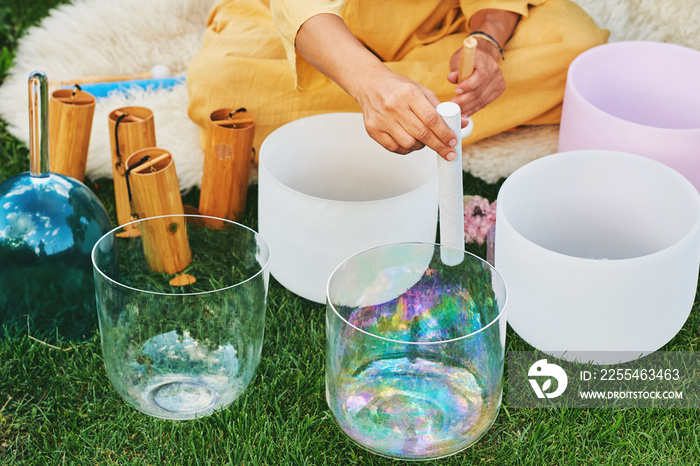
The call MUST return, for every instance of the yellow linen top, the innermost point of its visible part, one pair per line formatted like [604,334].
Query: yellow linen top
[248,48]
[422,22]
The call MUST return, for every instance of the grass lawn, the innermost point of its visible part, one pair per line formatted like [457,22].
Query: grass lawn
[57,405]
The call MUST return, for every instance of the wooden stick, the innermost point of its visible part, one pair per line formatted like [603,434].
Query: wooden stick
[466,64]
[76,100]
[70,124]
[153,163]
[101,79]
[135,131]
[157,72]
[235,122]
[129,117]
[228,157]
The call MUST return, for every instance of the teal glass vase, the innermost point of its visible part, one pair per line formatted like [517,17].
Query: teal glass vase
[48,226]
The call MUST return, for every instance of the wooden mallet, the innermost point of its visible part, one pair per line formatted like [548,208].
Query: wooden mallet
[466,64]
[157,72]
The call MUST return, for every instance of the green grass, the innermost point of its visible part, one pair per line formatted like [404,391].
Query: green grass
[57,405]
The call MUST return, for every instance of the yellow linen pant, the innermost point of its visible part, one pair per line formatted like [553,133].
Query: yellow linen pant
[242,63]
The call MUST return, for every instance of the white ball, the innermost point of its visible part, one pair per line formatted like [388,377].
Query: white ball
[160,72]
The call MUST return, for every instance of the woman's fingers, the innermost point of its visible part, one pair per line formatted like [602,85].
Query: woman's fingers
[482,94]
[403,137]
[395,139]
[475,93]
[390,143]
[484,85]
[429,128]
[404,119]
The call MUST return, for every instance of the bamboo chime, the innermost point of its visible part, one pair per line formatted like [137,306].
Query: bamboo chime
[228,156]
[145,181]
[70,123]
[154,188]
[130,129]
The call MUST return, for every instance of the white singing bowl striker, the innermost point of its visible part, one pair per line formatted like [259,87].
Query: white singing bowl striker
[327,191]
[600,252]
[641,97]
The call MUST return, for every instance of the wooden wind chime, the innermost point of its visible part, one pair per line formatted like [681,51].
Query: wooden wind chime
[153,186]
[145,186]
[228,156]
[70,123]
[145,180]
[130,129]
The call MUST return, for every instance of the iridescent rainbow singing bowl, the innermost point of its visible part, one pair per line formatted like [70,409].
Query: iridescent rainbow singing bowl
[414,360]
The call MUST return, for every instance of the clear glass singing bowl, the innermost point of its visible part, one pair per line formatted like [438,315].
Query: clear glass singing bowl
[181,350]
[415,349]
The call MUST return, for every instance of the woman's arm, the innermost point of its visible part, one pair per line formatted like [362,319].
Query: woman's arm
[486,83]
[399,113]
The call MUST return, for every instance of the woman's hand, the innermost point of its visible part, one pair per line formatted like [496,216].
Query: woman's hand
[484,85]
[399,113]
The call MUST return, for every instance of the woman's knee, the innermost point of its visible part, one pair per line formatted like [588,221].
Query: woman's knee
[561,24]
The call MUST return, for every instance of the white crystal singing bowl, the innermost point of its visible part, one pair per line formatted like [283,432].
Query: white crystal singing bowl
[328,191]
[641,97]
[600,252]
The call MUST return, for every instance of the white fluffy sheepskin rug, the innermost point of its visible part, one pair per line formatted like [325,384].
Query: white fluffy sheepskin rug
[116,38]
[106,37]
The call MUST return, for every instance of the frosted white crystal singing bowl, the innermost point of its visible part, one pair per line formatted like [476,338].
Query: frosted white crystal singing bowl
[600,252]
[640,97]
[328,191]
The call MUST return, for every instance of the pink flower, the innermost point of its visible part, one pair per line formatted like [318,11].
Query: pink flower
[479,217]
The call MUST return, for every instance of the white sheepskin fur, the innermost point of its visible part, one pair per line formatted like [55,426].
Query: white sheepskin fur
[116,38]
[107,37]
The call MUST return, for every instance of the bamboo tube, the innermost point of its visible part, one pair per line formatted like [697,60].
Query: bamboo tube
[70,123]
[466,64]
[130,129]
[228,156]
[155,192]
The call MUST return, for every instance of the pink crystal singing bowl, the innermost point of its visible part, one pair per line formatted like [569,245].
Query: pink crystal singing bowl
[640,97]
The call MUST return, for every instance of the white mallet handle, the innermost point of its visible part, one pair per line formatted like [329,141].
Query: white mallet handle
[450,188]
